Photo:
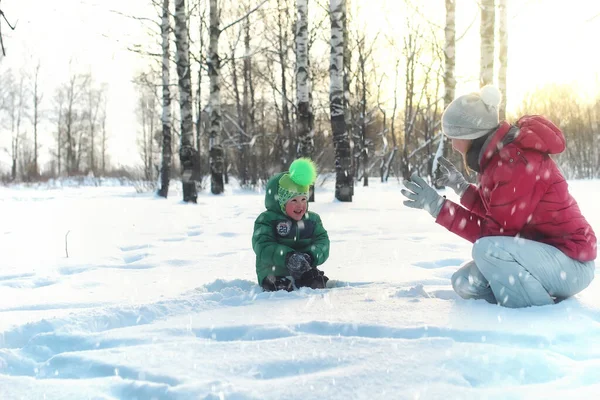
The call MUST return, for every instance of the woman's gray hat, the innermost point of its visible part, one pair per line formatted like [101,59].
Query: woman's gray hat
[473,115]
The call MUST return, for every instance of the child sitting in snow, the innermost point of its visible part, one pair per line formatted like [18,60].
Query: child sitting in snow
[290,242]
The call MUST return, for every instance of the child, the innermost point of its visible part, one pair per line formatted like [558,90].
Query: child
[288,240]
[532,245]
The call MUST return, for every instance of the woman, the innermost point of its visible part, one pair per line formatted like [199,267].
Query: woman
[532,246]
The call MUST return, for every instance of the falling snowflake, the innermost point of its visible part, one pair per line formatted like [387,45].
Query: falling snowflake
[563,275]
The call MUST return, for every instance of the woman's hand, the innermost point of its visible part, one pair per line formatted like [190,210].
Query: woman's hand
[451,177]
[421,195]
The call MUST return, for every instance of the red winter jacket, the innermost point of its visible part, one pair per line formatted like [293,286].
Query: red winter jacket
[522,192]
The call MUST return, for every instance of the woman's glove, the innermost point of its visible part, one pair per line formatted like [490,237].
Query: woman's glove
[421,195]
[451,177]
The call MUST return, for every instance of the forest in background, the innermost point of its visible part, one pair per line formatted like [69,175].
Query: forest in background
[242,88]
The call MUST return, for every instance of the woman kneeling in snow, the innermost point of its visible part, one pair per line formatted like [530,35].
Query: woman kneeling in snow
[532,246]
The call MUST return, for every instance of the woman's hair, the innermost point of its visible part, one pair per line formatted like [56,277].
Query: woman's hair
[464,159]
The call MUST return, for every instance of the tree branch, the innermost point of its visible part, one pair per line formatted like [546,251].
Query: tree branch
[230,119]
[9,25]
[244,17]
[143,19]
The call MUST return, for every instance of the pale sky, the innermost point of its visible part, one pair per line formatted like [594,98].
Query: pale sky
[550,41]
[95,39]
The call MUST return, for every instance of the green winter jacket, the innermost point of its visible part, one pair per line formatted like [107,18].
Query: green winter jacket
[276,235]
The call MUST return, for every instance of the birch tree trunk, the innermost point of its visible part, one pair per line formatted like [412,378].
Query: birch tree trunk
[503,55]
[450,53]
[449,79]
[165,170]
[249,103]
[488,16]
[214,103]
[247,64]
[202,16]
[304,111]
[351,128]
[343,159]
[282,40]
[361,80]
[187,153]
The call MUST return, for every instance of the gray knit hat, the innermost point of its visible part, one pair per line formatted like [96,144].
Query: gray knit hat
[473,115]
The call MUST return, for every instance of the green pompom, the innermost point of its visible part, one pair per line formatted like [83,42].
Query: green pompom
[303,172]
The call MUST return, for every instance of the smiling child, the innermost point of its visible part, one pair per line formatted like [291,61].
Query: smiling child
[289,241]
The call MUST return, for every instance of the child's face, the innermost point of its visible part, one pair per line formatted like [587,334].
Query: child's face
[296,207]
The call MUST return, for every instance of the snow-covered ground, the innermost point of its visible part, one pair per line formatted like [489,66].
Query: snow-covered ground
[158,300]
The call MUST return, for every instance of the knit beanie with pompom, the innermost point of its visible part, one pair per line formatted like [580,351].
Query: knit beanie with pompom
[473,115]
[297,181]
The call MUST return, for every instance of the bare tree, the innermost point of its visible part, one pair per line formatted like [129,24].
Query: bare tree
[390,159]
[187,154]
[503,54]
[148,116]
[17,109]
[424,66]
[240,141]
[73,120]
[361,146]
[449,79]
[343,159]
[347,74]
[103,137]
[488,15]
[578,120]
[2,16]
[282,53]
[449,53]
[93,100]
[411,49]
[387,153]
[249,105]
[243,97]
[303,111]
[216,151]
[37,100]
[214,103]
[278,78]
[201,60]
[59,103]
[167,151]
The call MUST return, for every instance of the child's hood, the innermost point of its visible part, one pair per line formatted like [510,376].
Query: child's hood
[271,202]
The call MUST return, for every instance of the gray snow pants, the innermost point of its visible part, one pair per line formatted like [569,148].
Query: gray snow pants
[520,273]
